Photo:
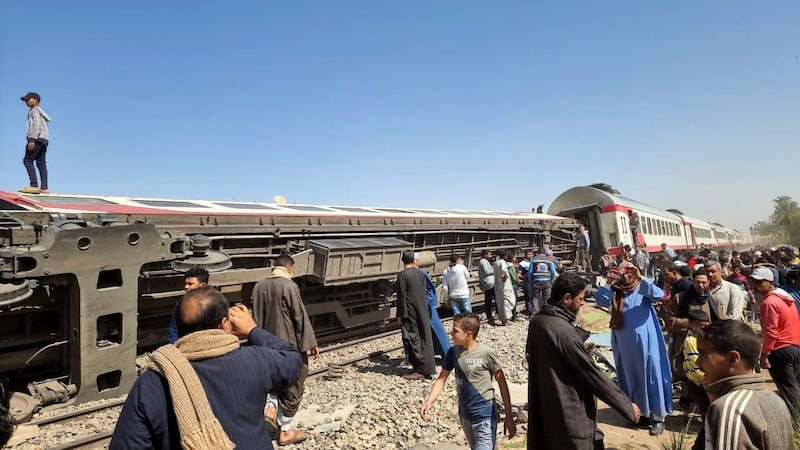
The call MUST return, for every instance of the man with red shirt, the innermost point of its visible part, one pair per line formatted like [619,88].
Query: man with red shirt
[780,323]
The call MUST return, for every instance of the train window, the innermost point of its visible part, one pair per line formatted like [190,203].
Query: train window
[169,203]
[622,228]
[306,208]
[650,225]
[244,205]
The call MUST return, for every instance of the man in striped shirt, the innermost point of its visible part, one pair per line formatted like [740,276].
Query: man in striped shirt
[36,149]
[744,412]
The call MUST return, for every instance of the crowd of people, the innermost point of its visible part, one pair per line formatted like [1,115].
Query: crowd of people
[195,394]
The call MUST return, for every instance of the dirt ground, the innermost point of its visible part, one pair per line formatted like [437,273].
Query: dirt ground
[621,435]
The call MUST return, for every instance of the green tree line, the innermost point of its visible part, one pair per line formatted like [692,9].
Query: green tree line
[783,226]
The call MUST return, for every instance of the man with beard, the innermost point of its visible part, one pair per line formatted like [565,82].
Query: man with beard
[412,314]
[563,377]
[697,298]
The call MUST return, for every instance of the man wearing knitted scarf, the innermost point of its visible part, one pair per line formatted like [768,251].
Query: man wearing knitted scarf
[206,392]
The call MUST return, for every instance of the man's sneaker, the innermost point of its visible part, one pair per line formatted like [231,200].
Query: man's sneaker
[30,190]
[44,191]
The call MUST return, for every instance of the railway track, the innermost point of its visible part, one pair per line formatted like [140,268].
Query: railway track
[101,438]
[71,419]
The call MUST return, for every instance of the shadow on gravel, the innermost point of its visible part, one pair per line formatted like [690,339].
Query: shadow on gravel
[385,365]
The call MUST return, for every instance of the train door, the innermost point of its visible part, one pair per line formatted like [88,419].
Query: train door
[692,232]
[688,235]
[589,216]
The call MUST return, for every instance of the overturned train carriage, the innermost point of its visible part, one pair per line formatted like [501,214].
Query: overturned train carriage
[88,283]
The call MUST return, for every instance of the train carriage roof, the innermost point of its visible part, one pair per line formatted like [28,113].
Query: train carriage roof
[584,196]
[155,206]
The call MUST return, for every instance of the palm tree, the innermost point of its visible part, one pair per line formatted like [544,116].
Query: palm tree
[785,213]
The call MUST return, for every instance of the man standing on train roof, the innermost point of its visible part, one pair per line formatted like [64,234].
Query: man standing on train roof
[541,276]
[415,324]
[38,137]
[486,283]
[584,246]
[194,278]
[279,309]
[441,343]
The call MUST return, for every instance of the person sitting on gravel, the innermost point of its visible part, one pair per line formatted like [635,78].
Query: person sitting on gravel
[206,392]
[475,365]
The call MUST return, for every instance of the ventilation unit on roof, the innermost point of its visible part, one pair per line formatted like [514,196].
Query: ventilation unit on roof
[605,188]
[676,211]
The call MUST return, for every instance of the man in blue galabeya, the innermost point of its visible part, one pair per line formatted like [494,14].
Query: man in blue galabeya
[640,353]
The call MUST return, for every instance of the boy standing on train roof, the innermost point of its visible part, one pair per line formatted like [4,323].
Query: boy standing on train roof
[36,149]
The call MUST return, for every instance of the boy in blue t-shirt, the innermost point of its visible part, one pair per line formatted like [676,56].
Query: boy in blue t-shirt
[475,364]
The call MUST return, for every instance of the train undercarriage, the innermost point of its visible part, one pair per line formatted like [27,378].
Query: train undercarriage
[83,295]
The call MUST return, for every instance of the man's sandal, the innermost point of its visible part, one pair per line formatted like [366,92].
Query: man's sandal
[297,437]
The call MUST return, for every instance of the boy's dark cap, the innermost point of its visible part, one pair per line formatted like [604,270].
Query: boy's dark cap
[34,95]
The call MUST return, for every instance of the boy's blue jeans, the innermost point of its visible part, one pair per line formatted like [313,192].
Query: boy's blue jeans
[460,305]
[481,434]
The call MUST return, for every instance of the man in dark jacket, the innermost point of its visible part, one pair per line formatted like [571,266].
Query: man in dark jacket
[279,309]
[745,413]
[232,380]
[412,313]
[562,377]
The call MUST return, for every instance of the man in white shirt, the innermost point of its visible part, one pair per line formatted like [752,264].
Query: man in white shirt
[669,252]
[725,293]
[455,282]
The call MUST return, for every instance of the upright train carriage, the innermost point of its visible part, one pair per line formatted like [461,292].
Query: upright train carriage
[88,283]
[605,212]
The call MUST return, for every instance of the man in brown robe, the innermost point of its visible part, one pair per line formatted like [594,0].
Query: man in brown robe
[279,309]
[412,313]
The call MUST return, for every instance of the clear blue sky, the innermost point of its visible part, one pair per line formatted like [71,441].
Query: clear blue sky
[457,104]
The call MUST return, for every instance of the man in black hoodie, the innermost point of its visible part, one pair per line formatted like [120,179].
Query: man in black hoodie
[563,380]
[679,277]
